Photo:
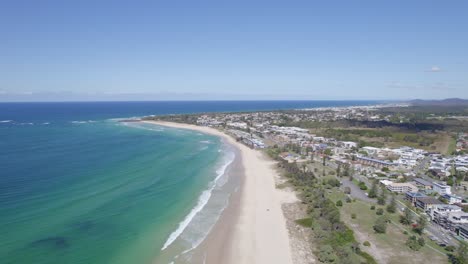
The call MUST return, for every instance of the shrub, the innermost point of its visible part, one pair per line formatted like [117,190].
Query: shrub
[305,222]
[379,211]
[372,207]
[339,203]
[353,216]
[450,248]
[348,200]
[380,225]
[362,186]
[366,243]
[413,243]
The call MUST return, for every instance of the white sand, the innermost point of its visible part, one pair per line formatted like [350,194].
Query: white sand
[259,234]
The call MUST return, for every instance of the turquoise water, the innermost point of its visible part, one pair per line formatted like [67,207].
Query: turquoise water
[101,192]
[77,187]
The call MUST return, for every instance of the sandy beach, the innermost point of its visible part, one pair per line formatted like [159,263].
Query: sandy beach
[253,228]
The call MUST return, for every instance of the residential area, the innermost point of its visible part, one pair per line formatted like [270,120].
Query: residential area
[421,175]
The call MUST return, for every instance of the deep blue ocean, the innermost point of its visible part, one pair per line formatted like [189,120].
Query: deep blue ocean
[77,186]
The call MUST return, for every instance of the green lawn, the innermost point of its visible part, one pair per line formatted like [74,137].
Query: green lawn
[391,245]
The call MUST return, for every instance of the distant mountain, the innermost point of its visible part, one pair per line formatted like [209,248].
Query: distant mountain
[444,102]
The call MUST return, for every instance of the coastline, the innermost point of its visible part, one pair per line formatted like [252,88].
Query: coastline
[252,229]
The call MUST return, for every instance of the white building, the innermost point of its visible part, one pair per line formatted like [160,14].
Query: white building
[349,144]
[371,150]
[452,199]
[399,187]
[441,188]
[440,209]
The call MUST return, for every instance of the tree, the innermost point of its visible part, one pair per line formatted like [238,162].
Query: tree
[462,253]
[380,225]
[422,223]
[421,241]
[382,197]
[373,190]
[391,208]
[379,211]
[407,218]
[347,170]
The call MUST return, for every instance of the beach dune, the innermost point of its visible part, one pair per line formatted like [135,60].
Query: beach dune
[257,232]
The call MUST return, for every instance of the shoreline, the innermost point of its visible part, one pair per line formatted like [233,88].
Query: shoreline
[253,228]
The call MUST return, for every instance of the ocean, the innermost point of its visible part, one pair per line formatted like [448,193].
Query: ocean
[78,186]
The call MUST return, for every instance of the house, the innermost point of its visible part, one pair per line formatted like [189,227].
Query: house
[441,188]
[427,203]
[412,196]
[401,187]
[452,199]
[423,184]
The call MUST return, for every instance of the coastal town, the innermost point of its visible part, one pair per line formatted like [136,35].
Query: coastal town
[426,184]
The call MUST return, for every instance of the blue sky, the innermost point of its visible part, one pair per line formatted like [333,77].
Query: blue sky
[182,50]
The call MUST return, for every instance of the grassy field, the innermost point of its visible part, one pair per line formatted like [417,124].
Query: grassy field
[389,247]
[390,137]
[451,145]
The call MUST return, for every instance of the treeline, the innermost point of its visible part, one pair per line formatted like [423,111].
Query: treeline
[298,176]
[334,242]
[183,118]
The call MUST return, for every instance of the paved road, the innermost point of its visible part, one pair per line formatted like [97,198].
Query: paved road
[420,169]
[435,230]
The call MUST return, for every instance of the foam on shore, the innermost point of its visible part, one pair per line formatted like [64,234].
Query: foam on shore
[202,202]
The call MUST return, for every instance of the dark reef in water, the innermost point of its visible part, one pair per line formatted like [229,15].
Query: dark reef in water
[56,241]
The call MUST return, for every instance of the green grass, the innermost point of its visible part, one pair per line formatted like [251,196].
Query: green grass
[452,146]
[305,222]
[394,239]
[369,259]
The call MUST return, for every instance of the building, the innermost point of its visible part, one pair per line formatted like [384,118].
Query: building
[440,209]
[451,220]
[371,150]
[348,144]
[412,196]
[423,184]
[400,187]
[452,199]
[374,162]
[427,203]
[463,231]
[441,188]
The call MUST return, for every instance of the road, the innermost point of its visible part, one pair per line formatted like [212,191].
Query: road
[435,230]
[420,168]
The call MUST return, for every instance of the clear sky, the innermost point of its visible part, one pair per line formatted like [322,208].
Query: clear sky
[195,49]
